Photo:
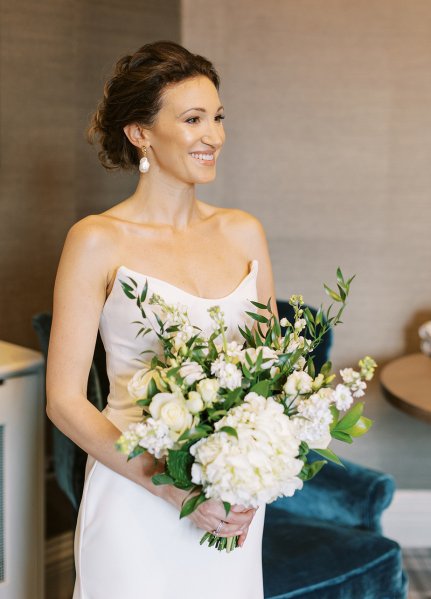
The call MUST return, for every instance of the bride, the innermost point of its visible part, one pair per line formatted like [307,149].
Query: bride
[160,113]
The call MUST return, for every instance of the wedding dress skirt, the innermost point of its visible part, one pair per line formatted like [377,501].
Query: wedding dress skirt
[130,544]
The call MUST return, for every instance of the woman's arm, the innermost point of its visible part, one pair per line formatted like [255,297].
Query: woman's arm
[79,296]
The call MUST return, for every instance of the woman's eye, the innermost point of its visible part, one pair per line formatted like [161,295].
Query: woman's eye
[193,119]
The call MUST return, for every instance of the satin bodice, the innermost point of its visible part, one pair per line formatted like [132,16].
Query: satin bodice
[123,347]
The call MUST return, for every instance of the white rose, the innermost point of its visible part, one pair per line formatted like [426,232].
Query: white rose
[208,389]
[191,371]
[194,403]
[176,415]
[298,382]
[159,399]
[138,384]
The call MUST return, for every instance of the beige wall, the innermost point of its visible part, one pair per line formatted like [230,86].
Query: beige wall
[328,106]
[54,56]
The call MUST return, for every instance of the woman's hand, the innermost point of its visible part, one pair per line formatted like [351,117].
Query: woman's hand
[209,514]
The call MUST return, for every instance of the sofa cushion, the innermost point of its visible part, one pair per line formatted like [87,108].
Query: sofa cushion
[312,559]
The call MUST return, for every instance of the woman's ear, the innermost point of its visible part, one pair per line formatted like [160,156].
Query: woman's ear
[136,134]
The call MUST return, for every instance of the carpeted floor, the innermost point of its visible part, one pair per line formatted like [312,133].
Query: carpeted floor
[417,562]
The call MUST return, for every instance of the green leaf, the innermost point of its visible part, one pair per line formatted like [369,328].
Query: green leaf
[144,292]
[257,317]
[258,305]
[179,464]
[162,479]
[361,427]
[127,289]
[329,455]
[310,470]
[229,430]
[340,278]
[342,436]
[227,507]
[143,402]
[262,388]
[332,293]
[326,368]
[191,504]
[310,368]
[137,451]
[351,417]
[198,433]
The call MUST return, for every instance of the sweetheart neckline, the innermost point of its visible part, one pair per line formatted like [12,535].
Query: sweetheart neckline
[254,264]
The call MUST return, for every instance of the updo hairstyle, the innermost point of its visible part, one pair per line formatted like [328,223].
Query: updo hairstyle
[134,95]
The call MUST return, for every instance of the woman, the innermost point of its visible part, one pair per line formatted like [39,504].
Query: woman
[160,112]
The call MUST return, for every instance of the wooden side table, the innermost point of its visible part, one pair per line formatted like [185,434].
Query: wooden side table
[406,383]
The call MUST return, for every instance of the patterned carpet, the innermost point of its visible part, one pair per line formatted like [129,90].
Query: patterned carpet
[417,562]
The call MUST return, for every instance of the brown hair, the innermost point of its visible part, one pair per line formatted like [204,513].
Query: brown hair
[134,95]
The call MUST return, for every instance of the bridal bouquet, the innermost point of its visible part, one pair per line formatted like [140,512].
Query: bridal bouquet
[237,422]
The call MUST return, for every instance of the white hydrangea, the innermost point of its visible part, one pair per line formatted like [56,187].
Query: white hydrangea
[258,466]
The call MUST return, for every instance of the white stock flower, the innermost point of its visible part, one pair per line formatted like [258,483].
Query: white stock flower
[233,350]
[152,435]
[352,379]
[208,389]
[349,375]
[191,371]
[297,382]
[300,324]
[228,375]
[342,397]
[316,436]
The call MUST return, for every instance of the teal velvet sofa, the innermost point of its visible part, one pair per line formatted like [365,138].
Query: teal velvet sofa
[325,542]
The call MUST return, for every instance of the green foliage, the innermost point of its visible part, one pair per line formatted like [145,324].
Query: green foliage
[191,504]
[310,470]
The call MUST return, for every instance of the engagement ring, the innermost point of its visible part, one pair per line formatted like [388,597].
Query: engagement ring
[219,527]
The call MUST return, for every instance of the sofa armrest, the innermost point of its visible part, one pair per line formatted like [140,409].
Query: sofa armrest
[353,496]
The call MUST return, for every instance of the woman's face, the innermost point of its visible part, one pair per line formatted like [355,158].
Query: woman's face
[188,133]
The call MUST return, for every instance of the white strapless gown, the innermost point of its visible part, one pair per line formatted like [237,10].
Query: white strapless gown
[130,544]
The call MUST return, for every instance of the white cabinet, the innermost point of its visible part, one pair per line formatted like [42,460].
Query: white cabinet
[22,414]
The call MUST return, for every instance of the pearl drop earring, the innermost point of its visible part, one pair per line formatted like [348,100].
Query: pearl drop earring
[144,163]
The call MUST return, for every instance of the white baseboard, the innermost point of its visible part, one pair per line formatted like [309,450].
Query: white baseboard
[408,519]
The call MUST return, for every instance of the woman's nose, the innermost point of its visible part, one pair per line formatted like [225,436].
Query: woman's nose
[213,135]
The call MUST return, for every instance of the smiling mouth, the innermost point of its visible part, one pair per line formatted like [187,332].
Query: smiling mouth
[207,159]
